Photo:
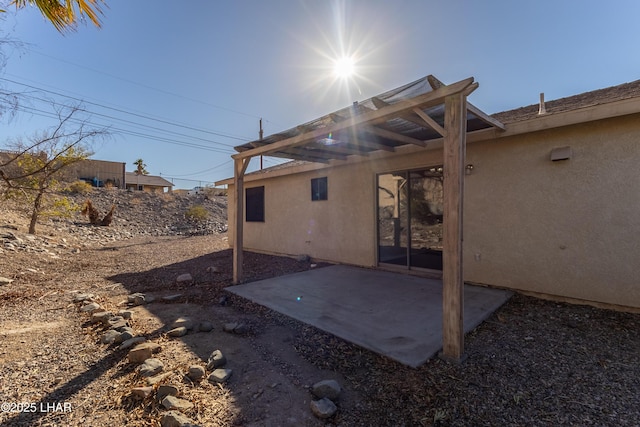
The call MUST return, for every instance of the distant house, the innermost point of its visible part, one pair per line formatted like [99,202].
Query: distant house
[150,183]
[551,191]
[99,173]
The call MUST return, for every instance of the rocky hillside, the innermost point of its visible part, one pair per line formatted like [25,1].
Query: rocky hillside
[136,213]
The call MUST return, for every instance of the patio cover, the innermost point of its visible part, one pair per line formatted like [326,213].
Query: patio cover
[415,114]
[357,130]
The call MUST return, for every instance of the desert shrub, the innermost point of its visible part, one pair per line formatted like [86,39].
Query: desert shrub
[197,213]
[79,187]
[61,207]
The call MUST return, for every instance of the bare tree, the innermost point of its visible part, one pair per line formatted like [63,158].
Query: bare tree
[35,169]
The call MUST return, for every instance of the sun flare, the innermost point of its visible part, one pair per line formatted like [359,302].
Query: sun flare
[344,67]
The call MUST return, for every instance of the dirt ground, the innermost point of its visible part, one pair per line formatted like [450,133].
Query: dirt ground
[533,362]
[51,354]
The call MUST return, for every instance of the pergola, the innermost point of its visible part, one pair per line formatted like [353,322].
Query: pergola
[416,114]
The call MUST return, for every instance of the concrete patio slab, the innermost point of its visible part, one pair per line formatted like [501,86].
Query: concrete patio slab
[397,315]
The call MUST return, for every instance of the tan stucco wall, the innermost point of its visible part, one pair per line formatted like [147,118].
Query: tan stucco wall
[335,229]
[567,228]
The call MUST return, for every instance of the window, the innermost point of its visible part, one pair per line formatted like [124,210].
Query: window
[319,189]
[255,204]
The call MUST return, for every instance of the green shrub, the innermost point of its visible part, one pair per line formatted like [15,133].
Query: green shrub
[197,213]
[61,208]
[79,187]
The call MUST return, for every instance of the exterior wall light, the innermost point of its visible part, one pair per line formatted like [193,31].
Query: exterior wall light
[468,169]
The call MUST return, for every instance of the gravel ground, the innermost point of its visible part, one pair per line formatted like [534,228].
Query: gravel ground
[533,362]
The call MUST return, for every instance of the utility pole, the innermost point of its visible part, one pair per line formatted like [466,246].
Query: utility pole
[260,137]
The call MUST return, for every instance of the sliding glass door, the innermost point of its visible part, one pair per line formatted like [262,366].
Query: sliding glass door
[410,218]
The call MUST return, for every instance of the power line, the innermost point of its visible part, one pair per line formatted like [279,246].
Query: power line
[206,170]
[138,124]
[48,114]
[146,86]
[127,112]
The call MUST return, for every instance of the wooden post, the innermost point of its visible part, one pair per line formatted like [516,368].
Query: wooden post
[453,282]
[239,168]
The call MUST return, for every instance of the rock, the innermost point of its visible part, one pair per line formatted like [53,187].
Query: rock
[130,330]
[175,419]
[131,342]
[177,332]
[100,316]
[323,408]
[125,314]
[151,367]
[184,278]
[223,300]
[109,337]
[139,355]
[123,336]
[303,258]
[171,298]
[142,392]
[229,327]
[219,375]
[165,390]
[236,328]
[158,378]
[172,402]
[118,323]
[205,326]
[136,299]
[90,307]
[5,281]
[196,372]
[327,388]
[213,269]
[142,352]
[183,322]
[216,360]
[241,329]
[83,297]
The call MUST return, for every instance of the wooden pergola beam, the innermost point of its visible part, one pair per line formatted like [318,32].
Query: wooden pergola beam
[422,119]
[430,122]
[452,271]
[394,136]
[313,155]
[374,145]
[239,169]
[436,84]
[339,149]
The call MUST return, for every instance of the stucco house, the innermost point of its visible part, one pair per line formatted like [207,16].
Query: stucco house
[543,199]
[151,183]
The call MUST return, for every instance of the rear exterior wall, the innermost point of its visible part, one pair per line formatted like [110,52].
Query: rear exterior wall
[568,228]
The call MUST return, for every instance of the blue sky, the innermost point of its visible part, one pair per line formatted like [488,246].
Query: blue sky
[165,76]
